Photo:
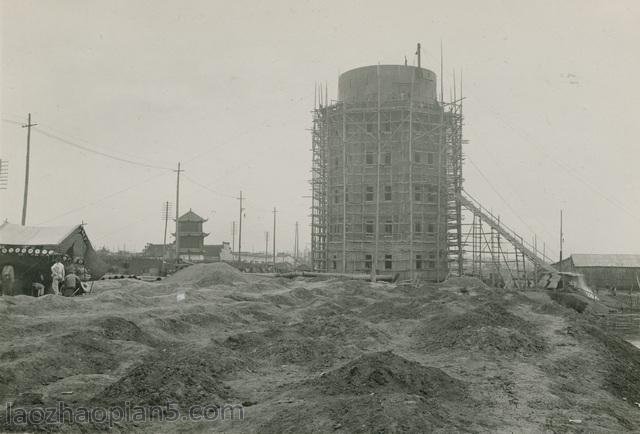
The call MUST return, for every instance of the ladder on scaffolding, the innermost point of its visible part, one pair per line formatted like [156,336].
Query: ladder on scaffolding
[530,252]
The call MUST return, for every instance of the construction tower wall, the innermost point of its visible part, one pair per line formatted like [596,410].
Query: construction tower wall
[380,184]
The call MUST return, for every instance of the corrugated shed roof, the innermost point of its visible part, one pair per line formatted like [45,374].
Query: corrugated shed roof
[14,234]
[591,260]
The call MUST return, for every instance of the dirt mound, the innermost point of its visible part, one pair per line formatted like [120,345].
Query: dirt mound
[340,328]
[118,328]
[101,286]
[465,282]
[574,301]
[621,361]
[205,275]
[321,356]
[56,357]
[325,308]
[386,372]
[249,341]
[277,348]
[505,340]
[405,309]
[280,300]
[378,392]
[488,327]
[30,306]
[302,294]
[182,376]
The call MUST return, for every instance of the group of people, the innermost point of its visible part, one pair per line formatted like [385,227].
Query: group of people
[66,279]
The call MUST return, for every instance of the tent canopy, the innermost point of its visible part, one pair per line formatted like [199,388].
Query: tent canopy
[13,234]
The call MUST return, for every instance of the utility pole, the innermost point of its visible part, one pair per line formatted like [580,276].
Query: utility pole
[178,213]
[165,215]
[561,240]
[419,54]
[233,236]
[26,171]
[266,247]
[535,249]
[240,231]
[296,244]
[274,238]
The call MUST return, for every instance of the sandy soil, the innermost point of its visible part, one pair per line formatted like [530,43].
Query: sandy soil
[319,356]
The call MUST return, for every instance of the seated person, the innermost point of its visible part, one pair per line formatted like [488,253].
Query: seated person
[72,285]
[38,286]
[37,289]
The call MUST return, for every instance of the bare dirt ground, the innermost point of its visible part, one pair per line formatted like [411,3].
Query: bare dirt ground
[318,356]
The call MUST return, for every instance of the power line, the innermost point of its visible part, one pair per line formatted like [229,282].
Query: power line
[500,195]
[90,150]
[74,137]
[11,121]
[565,168]
[199,184]
[102,199]
[226,142]
[497,162]
[111,232]
[94,151]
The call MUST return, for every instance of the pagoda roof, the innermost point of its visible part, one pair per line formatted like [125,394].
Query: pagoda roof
[191,216]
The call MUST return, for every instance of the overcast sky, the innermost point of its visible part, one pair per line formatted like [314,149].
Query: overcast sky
[226,87]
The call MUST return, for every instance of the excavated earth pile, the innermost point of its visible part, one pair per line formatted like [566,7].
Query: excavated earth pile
[314,355]
[487,327]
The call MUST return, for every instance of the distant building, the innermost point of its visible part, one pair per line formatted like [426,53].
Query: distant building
[192,246]
[260,257]
[285,257]
[191,237]
[159,250]
[602,271]
[218,252]
[251,257]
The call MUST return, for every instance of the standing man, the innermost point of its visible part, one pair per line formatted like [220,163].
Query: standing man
[57,276]
[8,280]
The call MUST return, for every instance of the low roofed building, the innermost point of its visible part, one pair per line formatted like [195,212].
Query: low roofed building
[218,252]
[603,271]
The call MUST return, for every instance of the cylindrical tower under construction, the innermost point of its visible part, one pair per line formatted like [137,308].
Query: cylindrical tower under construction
[381,175]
